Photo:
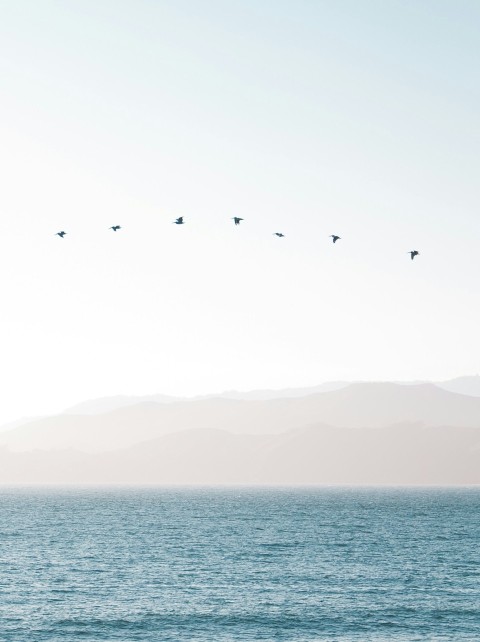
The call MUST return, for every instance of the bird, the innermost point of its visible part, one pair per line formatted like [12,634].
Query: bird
[279,234]
[413,254]
[335,238]
[237,220]
[115,228]
[60,234]
[179,221]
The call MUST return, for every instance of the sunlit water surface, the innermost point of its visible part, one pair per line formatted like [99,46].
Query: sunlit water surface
[239,564]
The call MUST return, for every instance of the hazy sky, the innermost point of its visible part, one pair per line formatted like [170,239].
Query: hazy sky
[357,118]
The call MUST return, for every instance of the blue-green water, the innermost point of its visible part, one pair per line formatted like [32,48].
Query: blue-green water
[239,564]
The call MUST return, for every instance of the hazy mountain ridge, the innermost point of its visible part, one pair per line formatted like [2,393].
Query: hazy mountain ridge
[361,405]
[103,405]
[463,385]
[401,454]
[107,404]
[360,433]
[469,385]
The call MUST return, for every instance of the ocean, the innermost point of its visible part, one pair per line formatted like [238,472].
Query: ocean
[239,564]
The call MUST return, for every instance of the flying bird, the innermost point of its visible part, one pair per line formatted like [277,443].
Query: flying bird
[237,220]
[60,234]
[335,238]
[115,228]
[413,254]
[279,234]
[179,221]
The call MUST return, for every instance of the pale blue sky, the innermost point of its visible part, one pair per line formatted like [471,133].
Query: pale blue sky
[356,118]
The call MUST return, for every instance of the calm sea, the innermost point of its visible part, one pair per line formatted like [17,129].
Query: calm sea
[239,564]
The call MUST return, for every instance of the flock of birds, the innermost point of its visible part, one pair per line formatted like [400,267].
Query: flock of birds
[237,220]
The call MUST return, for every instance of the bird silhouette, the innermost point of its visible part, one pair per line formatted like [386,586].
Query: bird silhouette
[115,228]
[60,234]
[278,234]
[179,221]
[413,254]
[237,220]
[335,238]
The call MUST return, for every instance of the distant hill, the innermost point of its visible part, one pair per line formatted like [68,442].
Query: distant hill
[360,405]
[108,404]
[404,454]
[264,395]
[462,385]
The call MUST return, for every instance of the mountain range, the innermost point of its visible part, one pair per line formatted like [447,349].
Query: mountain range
[360,433]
